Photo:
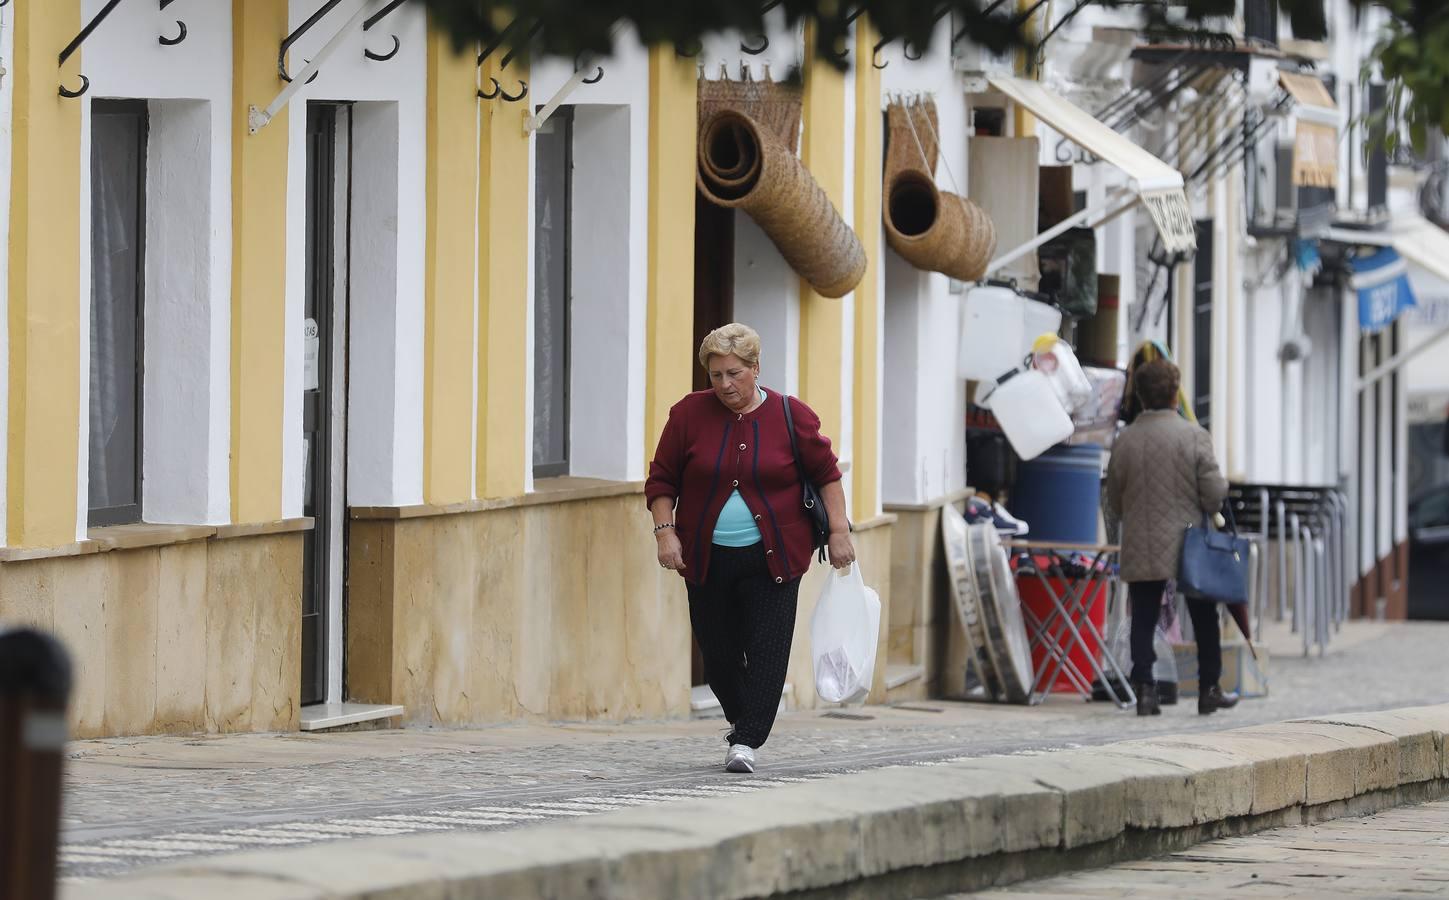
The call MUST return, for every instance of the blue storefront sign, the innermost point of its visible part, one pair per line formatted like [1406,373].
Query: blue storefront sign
[1382,282]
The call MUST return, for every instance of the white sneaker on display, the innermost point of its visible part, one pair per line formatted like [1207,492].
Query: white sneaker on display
[740,759]
[1007,524]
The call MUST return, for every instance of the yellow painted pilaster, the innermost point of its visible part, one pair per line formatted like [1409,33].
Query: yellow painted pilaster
[1023,122]
[503,228]
[865,467]
[451,183]
[822,150]
[45,289]
[259,262]
[670,320]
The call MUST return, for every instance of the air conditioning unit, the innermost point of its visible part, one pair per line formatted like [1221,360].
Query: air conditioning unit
[975,62]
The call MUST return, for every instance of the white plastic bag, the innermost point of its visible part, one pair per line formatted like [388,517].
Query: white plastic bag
[843,637]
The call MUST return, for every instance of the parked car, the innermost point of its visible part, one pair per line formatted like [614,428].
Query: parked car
[1429,554]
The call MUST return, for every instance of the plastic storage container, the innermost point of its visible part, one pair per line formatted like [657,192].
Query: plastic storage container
[1060,494]
[1053,357]
[998,326]
[1030,414]
[993,335]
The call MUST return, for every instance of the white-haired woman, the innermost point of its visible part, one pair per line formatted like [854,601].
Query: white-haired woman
[726,497]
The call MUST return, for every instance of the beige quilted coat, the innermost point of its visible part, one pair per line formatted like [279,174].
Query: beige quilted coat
[1162,478]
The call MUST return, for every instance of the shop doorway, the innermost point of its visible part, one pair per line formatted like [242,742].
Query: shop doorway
[324,391]
[714,305]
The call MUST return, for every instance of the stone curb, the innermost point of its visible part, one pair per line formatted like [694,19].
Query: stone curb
[840,832]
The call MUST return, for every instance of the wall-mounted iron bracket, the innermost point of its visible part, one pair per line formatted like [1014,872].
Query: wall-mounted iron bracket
[296,35]
[165,41]
[75,45]
[396,42]
[498,92]
[257,119]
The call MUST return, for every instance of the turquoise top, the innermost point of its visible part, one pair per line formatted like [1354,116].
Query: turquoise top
[736,526]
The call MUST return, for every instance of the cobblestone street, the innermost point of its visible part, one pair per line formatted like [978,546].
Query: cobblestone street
[1398,853]
[130,802]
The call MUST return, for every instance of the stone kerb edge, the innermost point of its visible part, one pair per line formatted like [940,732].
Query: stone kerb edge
[819,835]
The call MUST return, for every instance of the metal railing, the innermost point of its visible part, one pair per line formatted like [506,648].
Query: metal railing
[35,682]
[1303,573]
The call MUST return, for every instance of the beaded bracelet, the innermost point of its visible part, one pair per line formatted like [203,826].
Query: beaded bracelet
[659,528]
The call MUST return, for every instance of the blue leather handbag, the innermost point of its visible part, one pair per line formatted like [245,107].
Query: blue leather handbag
[1215,563]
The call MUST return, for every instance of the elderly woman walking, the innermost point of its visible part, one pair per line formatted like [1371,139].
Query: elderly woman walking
[1163,478]
[725,493]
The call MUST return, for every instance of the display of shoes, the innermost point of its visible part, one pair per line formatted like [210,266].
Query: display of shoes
[1007,524]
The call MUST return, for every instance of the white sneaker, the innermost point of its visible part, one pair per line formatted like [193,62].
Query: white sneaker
[740,759]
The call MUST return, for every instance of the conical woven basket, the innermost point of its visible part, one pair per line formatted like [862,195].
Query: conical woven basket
[931,229]
[744,166]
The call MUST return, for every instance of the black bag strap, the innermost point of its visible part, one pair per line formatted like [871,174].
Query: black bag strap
[794,447]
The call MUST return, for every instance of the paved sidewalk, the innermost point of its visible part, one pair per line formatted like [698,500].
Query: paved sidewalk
[132,802]
[1399,853]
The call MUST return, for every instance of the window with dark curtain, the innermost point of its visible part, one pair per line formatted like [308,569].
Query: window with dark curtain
[553,212]
[1202,325]
[118,266]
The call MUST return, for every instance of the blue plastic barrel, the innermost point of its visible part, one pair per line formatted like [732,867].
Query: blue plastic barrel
[1059,494]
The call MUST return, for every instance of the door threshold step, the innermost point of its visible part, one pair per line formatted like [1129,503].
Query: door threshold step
[322,716]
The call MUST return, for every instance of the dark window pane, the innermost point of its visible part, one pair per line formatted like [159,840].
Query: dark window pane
[118,170]
[552,214]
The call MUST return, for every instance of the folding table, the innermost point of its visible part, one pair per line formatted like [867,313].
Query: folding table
[1062,630]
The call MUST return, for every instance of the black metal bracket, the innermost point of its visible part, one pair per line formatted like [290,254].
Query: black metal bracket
[373,20]
[498,92]
[165,41]
[296,35]
[595,78]
[764,38]
[75,44]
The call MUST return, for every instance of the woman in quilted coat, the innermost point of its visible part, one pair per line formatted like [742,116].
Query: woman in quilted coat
[1162,479]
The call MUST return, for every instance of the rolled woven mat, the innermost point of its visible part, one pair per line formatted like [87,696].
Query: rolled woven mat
[931,229]
[744,166]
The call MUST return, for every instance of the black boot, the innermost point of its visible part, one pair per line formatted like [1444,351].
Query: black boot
[1213,699]
[1147,699]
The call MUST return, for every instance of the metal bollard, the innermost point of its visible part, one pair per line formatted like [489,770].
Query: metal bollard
[35,683]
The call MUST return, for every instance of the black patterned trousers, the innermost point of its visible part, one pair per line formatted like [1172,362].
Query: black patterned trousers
[744,623]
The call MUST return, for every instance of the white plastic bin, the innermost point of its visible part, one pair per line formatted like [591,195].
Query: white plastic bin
[993,333]
[1030,414]
[1054,358]
[998,326]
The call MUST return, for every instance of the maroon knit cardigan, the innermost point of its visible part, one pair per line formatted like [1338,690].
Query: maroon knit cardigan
[706,452]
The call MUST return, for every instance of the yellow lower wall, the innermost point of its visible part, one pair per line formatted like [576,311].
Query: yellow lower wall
[547,611]
[551,611]
[924,630]
[193,637]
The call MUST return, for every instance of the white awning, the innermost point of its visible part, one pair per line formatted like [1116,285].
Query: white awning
[1158,185]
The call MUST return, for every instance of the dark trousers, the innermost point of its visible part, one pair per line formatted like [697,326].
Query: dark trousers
[744,623]
[1146,605]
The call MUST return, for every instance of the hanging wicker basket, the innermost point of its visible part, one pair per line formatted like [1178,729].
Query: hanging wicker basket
[931,229]
[745,166]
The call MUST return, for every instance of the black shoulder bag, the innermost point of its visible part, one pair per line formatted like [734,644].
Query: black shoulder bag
[814,508]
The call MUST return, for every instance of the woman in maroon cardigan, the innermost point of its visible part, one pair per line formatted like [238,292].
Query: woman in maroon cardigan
[726,498]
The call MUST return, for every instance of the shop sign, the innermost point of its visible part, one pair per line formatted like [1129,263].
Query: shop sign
[1382,283]
[1173,217]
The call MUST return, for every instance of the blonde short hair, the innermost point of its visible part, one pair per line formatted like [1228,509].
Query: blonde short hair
[734,338]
